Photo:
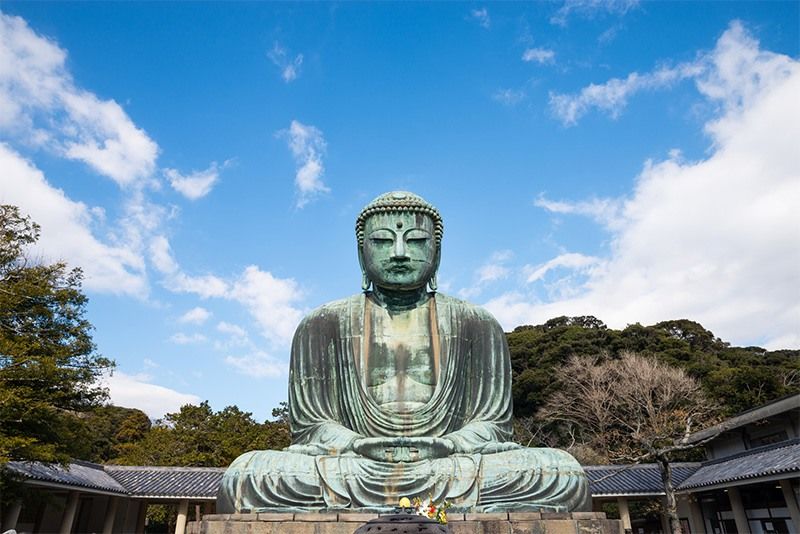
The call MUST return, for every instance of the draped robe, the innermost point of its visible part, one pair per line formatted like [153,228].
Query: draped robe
[330,407]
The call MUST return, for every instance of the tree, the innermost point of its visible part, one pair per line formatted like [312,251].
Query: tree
[198,436]
[110,429]
[634,409]
[48,363]
[735,377]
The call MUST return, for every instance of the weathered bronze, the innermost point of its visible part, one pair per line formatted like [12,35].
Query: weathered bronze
[400,392]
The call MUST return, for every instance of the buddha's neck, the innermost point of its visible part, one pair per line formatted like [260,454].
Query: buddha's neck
[398,300]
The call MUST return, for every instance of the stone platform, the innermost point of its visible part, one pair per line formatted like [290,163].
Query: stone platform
[347,523]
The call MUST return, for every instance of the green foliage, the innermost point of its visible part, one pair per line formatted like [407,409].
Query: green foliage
[48,363]
[737,378]
[110,429]
[198,436]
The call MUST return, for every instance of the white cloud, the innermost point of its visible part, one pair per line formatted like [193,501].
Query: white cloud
[67,229]
[41,105]
[289,68]
[136,391]
[508,97]
[493,270]
[196,184]
[307,146]
[187,339]
[590,9]
[572,261]
[612,96]
[731,74]
[714,240]
[259,364]
[271,301]
[196,315]
[231,329]
[482,17]
[539,55]
[603,210]
[161,255]
[206,286]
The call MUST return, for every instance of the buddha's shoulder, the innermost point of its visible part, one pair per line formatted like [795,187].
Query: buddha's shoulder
[464,308]
[334,309]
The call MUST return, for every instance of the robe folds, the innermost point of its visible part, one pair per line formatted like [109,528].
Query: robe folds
[330,407]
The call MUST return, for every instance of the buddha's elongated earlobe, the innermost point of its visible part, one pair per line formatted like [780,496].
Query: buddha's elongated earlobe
[365,282]
[432,283]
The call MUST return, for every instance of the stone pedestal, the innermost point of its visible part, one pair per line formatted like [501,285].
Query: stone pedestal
[347,523]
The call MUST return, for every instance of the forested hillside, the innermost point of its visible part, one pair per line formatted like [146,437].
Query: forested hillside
[737,378]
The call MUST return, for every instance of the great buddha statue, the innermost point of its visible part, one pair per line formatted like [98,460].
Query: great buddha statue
[401,391]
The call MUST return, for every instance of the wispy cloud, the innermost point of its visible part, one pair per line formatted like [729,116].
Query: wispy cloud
[40,103]
[612,96]
[67,229]
[271,301]
[196,184]
[715,74]
[591,9]
[481,16]
[508,97]
[539,55]
[714,240]
[606,211]
[289,67]
[182,338]
[308,147]
[196,315]
[572,261]
[259,364]
[494,269]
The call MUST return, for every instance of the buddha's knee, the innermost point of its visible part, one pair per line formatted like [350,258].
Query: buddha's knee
[543,460]
[271,463]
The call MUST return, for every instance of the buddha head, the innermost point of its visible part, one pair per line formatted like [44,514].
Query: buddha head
[399,237]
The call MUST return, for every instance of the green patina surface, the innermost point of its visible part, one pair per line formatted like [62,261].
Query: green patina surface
[399,392]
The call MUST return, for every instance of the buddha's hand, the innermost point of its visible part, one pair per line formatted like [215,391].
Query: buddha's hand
[309,449]
[494,447]
[403,449]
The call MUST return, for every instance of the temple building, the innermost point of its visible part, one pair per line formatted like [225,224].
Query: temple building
[749,483]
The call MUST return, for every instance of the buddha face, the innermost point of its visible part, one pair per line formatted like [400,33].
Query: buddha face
[399,250]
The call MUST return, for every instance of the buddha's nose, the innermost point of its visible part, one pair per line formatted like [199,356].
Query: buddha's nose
[399,250]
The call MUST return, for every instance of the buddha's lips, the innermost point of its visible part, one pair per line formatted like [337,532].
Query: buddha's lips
[399,268]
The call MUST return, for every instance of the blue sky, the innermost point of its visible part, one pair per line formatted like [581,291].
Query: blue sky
[204,164]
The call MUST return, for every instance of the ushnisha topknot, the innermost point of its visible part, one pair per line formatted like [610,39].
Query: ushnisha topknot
[399,201]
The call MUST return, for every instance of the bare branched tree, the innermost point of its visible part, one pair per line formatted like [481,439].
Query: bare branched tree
[635,408]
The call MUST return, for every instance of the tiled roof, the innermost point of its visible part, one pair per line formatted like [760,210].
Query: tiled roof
[788,404]
[778,458]
[150,481]
[642,479]
[79,474]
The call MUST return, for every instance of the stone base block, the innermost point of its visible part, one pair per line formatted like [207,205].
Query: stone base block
[347,523]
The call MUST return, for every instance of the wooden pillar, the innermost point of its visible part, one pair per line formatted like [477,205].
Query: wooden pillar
[183,511]
[142,517]
[696,522]
[738,510]
[111,515]
[665,522]
[70,510]
[624,513]
[791,500]
[11,516]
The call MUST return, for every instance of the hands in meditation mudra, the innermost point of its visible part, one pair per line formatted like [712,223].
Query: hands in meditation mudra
[400,392]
